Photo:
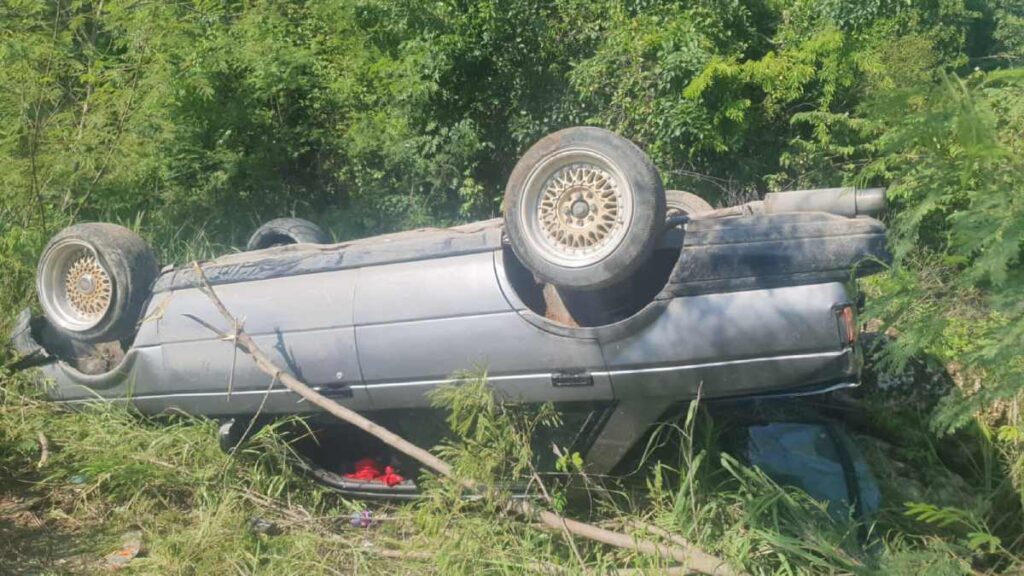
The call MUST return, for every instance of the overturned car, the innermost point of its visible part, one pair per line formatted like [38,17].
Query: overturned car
[598,291]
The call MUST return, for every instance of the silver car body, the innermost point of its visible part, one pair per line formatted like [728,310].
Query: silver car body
[377,324]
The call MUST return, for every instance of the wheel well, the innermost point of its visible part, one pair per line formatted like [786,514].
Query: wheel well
[276,239]
[591,308]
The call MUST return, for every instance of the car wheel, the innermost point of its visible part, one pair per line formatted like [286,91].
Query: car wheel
[93,281]
[680,203]
[584,208]
[283,231]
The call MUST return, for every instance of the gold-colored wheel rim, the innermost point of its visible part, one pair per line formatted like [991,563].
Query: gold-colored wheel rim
[76,290]
[88,287]
[580,208]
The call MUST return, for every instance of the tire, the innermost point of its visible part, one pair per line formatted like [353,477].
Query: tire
[284,231]
[93,281]
[562,238]
[679,203]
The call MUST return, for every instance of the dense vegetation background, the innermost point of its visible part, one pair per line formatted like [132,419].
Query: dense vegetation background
[194,121]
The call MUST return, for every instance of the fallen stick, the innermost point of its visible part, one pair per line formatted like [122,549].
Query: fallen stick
[693,558]
[44,450]
[671,571]
[413,556]
[640,524]
[565,529]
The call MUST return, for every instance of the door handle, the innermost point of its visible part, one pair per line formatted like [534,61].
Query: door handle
[572,379]
[336,390]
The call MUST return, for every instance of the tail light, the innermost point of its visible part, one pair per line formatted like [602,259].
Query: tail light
[847,324]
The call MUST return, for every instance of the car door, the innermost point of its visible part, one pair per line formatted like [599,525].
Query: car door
[303,323]
[734,344]
[419,323]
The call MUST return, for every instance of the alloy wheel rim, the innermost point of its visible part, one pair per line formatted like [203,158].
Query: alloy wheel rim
[580,208]
[576,208]
[88,287]
[75,288]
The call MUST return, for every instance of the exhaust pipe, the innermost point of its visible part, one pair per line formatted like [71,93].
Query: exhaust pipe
[849,202]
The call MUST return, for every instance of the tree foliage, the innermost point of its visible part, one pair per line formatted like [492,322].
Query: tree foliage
[202,119]
[957,178]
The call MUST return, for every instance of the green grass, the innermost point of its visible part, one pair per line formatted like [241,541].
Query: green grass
[110,470]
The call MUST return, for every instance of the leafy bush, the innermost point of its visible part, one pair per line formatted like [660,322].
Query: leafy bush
[958,287]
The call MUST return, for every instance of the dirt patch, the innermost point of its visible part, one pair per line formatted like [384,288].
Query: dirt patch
[35,540]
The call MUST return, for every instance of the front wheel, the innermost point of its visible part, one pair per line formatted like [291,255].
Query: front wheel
[93,281]
[584,208]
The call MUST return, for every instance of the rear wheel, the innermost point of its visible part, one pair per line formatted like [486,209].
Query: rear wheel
[584,208]
[93,281]
[680,203]
[284,231]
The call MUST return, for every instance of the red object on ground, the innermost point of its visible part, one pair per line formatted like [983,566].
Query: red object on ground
[389,478]
[368,470]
